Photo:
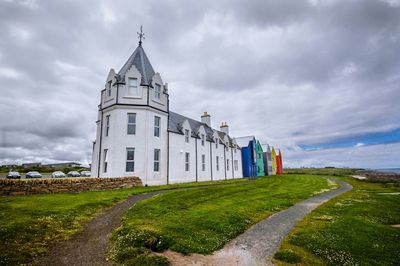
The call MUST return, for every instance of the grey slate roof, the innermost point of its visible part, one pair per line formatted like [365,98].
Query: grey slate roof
[141,62]
[175,125]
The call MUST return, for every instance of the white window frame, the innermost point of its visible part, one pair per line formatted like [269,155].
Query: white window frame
[187,161]
[236,165]
[132,124]
[128,160]
[157,155]
[216,144]
[203,162]
[227,164]
[187,135]
[107,125]
[157,126]
[157,91]
[217,162]
[202,139]
[133,89]
[105,160]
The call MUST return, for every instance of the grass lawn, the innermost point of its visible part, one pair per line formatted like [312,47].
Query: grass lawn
[30,223]
[322,171]
[202,220]
[352,229]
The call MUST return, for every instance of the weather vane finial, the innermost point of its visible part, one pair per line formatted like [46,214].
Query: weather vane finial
[141,35]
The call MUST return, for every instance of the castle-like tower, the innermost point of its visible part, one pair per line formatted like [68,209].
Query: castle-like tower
[132,122]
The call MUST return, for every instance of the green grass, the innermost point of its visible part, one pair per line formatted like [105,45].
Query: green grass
[352,229]
[202,220]
[322,171]
[28,224]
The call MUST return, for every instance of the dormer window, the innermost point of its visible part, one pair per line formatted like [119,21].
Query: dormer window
[157,91]
[216,143]
[133,86]
[202,139]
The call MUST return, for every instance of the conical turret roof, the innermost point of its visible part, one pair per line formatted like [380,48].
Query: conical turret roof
[141,62]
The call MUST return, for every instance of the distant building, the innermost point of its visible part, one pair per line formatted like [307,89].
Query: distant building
[29,165]
[267,161]
[63,165]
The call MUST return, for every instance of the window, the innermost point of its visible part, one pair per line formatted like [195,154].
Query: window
[157,91]
[131,124]
[202,139]
[105,160]
[107,124]
[109,88]
[130,159]
[156,160]
[203,162]
[187,135]
[216,143]
[157,126]
[217,162]
[132,86]
[187,161]
[235,163]
[235,150]
[227,164]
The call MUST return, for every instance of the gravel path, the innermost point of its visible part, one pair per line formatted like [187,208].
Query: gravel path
[259,243]
[89,247]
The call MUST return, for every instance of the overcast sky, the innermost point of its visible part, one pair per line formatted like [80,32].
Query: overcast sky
[319,79]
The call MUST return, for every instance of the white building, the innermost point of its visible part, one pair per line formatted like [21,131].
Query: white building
[137,134]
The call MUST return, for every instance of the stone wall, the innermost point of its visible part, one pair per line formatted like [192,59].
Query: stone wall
[42,186]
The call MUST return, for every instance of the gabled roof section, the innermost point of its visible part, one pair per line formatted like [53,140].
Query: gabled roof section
[141,62]
[175,125]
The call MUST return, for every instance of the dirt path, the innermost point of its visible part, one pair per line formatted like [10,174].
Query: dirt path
[89,247]
[258,244]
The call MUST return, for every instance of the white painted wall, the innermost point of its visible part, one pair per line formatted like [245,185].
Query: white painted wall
[178,148]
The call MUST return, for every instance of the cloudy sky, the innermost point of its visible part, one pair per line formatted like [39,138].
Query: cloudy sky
[319,79]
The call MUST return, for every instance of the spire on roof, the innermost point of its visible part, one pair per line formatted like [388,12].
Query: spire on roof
[140,61]
[141,35]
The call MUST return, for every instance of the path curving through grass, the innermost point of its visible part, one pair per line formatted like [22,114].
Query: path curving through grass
[258,244]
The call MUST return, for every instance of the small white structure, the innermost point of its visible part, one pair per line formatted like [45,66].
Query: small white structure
[137,134]
[267,157]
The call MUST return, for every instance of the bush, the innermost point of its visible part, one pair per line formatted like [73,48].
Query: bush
[134,247]
[287,256]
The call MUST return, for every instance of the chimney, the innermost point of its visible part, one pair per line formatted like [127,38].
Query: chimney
[206,119]
[224,128]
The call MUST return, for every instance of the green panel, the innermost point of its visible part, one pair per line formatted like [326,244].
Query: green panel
[260,161]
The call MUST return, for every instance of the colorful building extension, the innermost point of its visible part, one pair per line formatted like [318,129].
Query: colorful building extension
[279,165]
[249,155]
[260,160]
[273,159]
[267,161]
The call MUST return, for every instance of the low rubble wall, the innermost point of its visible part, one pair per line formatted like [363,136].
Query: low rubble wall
[62,185]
